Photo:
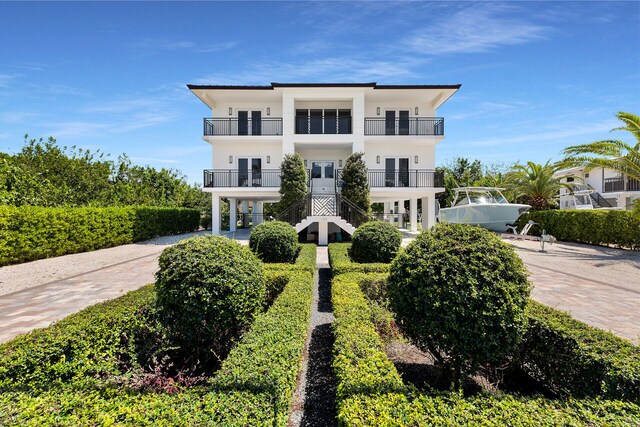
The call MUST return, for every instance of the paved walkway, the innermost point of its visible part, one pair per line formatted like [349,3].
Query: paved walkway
[597,285]
[46,301]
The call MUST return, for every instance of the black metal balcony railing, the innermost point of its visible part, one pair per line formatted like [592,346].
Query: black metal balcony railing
[237,178]
[323,125]
[394,178]
[239,126]
[611,185]
[407,126]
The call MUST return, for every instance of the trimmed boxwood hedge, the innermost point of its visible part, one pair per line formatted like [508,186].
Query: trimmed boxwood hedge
[305,261]
[371,392]
[572,358]
[253,387]
[595,227]
[28,233]
[342,263]
[274,241]
[375,241]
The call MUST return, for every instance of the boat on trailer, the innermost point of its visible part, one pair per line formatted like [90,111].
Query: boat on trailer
[483,206]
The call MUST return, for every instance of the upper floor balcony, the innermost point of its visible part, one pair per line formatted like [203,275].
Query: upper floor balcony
[242,126]
[612,185]
[404,126]
[390,178]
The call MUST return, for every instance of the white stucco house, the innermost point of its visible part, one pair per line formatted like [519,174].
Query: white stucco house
[251,128]
[609,189]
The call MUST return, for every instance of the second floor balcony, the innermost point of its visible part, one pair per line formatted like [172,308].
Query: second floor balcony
[242,126]
[390,178]
[612,185]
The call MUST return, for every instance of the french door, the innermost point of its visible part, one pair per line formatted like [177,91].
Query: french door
[245,124]
[397,122]
[249,172]
[322,175]
[396,172]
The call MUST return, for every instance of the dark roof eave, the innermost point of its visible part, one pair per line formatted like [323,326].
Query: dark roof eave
[456,86]
[275,85]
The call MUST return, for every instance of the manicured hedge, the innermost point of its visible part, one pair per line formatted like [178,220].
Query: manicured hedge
[83,346]
[375,241]
[29,232]
[274,241]
[305,261]
[253,387]
[596,227]
[572,358]
[342,263]
[370,391]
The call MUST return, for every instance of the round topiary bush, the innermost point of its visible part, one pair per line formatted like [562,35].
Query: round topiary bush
[375,241]
[208,291]
[460,292]
[274,241]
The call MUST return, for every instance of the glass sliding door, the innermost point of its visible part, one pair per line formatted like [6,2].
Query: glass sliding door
[256,123]
[344,121]
[302,121]
[390,122]
[243,172]
[256,172]
[403,122]
[315,124]
[243,122]
[330,121]
[403,172]
[390,172]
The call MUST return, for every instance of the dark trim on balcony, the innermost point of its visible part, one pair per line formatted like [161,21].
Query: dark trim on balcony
[616,184]
[221,178]
[413,178]
[319,125]
[242,127]
[408,126]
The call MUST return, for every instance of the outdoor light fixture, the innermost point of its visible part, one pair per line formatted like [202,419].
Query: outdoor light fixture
[377,159]
[230,111]
[340,163]
[378,111]
[230,159]
[268,111]
[268,159]
[415,159]
[416,111]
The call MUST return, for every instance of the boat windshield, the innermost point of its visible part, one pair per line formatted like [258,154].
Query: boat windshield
[481,198]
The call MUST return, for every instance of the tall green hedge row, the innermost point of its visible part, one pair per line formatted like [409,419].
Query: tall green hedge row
[341,262]
[371,392]
[596,227]
[253,387]
[572,358]
[31,232]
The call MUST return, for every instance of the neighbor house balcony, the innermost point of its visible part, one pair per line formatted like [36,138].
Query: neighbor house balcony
[404,126]
[235,126]
[611,185]
[416,178]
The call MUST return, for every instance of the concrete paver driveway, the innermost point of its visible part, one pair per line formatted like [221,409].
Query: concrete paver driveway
[597,285]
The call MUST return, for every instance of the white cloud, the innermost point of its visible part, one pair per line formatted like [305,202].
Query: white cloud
[477,28]
[155,44]
[7,79]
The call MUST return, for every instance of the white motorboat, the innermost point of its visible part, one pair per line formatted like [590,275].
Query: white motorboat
[483,206]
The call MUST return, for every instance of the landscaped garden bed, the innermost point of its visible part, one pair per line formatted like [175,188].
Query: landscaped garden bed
[560,371]
[93,368]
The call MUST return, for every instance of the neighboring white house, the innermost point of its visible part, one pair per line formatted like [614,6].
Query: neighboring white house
[251,128]
[609,189]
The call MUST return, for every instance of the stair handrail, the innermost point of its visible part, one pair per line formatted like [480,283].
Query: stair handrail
[360,215]
[295,208]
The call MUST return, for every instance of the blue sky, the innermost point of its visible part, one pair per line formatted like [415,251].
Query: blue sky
[536,76]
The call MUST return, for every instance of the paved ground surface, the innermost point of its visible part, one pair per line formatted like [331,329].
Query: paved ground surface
[314,399]
[44,291]
[597,285]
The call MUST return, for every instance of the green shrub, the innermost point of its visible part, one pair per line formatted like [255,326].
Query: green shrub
[341,262]
[371,393]
[305,261]
[274,241]
[84,346]
[253,387]
[375,241]
[28,233]
[209,290]
[460,292]
[575,359]
[595,227]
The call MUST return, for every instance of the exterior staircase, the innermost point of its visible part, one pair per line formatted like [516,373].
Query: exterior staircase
[599,201]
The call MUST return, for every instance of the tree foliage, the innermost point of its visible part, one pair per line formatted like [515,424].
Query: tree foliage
[44,173]
[293,180]
[610,153]
[355,185]
[535,184]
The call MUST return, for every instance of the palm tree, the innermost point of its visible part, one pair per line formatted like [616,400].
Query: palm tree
[610,153]
[535,183]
